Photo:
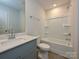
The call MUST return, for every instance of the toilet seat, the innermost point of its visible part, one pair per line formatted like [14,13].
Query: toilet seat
[44,46]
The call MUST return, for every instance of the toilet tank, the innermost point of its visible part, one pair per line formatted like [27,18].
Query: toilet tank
[38,40]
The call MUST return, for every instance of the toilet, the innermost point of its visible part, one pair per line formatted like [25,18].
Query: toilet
[44,48]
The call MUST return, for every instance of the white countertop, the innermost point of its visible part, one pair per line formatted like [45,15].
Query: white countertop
[7,44]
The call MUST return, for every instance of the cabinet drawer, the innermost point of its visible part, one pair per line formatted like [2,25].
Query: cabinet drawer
[19,51]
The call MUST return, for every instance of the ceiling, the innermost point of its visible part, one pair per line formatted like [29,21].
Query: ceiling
[18,4]
[47,4]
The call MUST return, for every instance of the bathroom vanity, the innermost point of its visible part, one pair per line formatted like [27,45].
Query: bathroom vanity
[24,47]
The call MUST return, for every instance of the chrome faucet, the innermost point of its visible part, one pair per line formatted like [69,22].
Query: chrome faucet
[11,34]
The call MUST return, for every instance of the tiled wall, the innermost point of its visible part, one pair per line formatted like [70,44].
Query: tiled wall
[57,18]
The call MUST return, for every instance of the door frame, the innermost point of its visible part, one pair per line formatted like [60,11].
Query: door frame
[75,28]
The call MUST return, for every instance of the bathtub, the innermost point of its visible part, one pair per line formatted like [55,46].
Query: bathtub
[60,47]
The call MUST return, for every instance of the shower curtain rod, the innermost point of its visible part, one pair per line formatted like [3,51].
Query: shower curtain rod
[57,17]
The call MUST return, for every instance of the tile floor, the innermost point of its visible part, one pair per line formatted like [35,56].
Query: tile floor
[55,56]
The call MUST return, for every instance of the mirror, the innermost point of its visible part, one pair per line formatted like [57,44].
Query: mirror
[12,16]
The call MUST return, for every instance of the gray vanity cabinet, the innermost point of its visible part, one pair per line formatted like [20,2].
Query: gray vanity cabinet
[25,51]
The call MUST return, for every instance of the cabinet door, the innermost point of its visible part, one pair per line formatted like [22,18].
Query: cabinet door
[21,52]
[31,52]
[31,55]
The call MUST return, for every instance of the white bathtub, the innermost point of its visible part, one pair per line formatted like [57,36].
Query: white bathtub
[60,47]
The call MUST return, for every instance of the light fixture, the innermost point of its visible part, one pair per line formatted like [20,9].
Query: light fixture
[54,5]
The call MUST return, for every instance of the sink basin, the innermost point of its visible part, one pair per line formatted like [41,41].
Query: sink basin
[17,40]
[10,41]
